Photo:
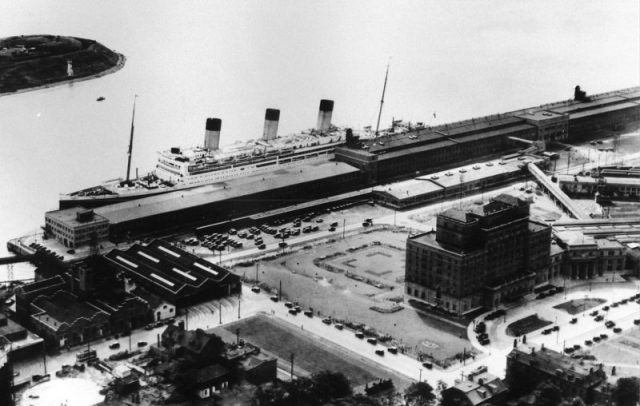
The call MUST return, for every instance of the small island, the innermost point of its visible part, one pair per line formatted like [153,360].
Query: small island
[28,62]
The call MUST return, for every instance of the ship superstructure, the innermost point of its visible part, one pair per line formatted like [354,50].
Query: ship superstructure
[181,168]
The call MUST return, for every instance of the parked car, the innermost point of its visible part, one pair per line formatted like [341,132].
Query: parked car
[380,353]
[114,346]
[339,326]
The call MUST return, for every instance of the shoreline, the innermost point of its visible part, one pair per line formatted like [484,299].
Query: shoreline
[119,65]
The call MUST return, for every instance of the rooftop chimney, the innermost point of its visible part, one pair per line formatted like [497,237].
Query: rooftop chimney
[271,118]
[324,115]
[212,134]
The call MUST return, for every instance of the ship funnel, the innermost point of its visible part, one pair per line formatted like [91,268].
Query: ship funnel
[212,134]
[324,115]
[271,118]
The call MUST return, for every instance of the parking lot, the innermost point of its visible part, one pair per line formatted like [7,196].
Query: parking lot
[359,279]
[598,319]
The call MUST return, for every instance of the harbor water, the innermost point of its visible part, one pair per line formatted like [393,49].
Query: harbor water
[448,60]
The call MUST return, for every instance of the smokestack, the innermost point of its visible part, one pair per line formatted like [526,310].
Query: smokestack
[271,118]
[324,115]
[212,134]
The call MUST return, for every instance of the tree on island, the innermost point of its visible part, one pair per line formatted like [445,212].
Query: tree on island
[419,394]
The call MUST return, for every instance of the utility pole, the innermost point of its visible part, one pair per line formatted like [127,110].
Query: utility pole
[292,356]
[344,222]
[220,311]
[238,307]
[44,359]
[280,292]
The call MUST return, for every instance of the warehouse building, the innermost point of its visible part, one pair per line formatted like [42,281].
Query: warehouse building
[173,274]
[456,182]
[232,199]
[406,153]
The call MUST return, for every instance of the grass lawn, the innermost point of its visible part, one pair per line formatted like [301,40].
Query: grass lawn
[311,354]
[579,305]
[526,325]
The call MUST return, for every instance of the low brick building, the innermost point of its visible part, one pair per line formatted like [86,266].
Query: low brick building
[527,368]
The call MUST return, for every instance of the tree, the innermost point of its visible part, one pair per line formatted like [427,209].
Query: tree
[577,401]
[548,394]
[419,394]
[330,385]
[627,391]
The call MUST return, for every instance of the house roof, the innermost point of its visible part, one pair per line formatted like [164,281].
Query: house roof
[210,373]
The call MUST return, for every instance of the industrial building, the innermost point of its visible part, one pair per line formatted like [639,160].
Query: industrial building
[412,151]
[478,256]
[173,274]
[606,184]
[456,182]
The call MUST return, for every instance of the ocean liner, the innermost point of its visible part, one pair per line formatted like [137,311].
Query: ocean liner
[179,168]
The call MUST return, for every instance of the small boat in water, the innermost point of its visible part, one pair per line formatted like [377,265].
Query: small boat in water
[101,98]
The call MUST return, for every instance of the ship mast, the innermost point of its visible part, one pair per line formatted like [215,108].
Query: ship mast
[133,116]
[384,88]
